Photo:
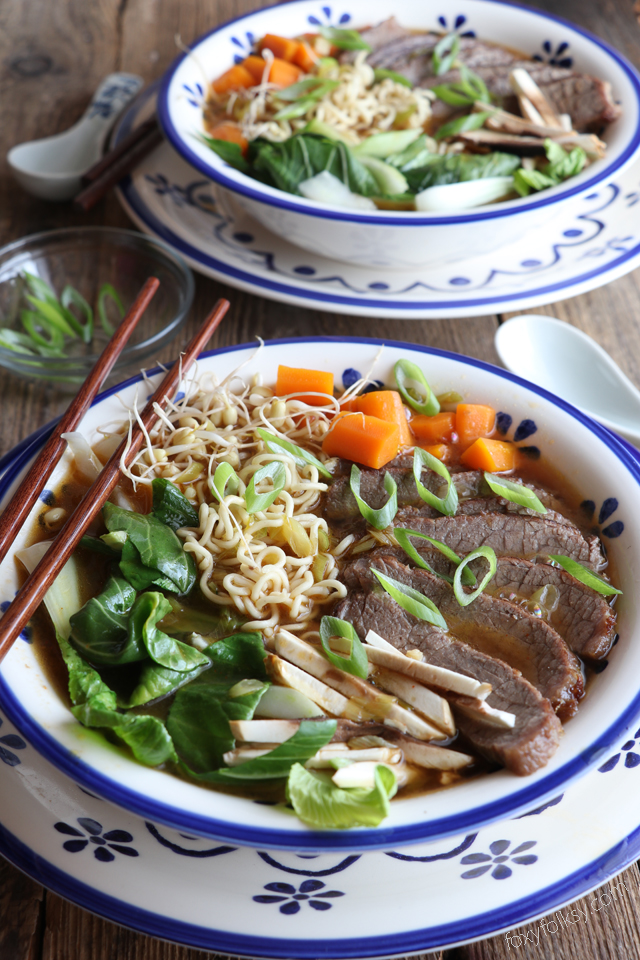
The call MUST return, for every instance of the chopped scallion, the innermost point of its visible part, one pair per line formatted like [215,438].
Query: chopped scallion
[379,519]
[344,39]
[414,389]
[356,663]
[464,599]
[447,504]
[412,600]
[445,53]
[380,74]
[515,492]
[472,121]
[298,455]
[402,535]
[256,502]
[581,573]
[225,474]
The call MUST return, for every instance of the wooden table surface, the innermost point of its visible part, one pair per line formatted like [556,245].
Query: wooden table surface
[53,53]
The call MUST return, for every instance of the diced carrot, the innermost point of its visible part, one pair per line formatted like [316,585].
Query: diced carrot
[232,133]
[367,440]
[386,405]
[305,57]
[436,429]
[255,66]
[438,450]
[349,406]
[283,74]
[474,420]
[293,379]
[495,456]
[282,47]
[233,79]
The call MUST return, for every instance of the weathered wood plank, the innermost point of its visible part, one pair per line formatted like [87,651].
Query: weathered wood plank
[21,915]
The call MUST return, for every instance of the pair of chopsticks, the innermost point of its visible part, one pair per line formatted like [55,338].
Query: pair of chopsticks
[33,590]
[117,163]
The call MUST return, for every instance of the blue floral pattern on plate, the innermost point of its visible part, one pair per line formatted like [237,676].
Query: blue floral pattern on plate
[627,750]
[554,55]
[290,897]
[92,833]
[498,859]
[8,743]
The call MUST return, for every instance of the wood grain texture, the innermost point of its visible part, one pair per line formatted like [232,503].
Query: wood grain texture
[53,54]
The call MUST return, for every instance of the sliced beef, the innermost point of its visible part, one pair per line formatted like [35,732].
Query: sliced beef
[340,503]
[513,535]
[496,627]
[582,617]
[535,736]
[588,100]
[475,505]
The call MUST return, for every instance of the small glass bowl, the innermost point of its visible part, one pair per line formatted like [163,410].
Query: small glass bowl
[86,258]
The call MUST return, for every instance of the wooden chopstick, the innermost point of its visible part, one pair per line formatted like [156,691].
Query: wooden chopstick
[139,133]
[116,165]
[34,589]
[17,510]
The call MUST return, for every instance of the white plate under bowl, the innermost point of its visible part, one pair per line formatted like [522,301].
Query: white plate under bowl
[279,904]
[574,252]
[593,460]
[397,239]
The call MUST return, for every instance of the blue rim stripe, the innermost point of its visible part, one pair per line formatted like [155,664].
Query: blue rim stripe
[254,193]
[138,210]
[381,838]
[414,941]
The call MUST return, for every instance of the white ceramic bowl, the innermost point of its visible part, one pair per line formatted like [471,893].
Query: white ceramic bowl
[601,467]
[392,239]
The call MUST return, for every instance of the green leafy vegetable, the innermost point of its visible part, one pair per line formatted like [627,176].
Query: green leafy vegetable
[152,554]
[285,165]
[414,389]
[412,600]
[211,622]
[298,455]
[448,504]
[514,492]
[163,649]
[170,506]
[464,599]
[402,535]
[472,121]
[458,167]
[99,629]
[95,706]
[344,39]
[227,151]
[561,166]
[466,91]
[445,53]
[310,737]
[320,803]
[237,657]
[356,663]
[277,473]
[156,682]
[584,575]
[380,74]
[376,518]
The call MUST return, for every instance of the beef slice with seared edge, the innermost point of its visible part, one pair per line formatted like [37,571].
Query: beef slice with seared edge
[513,535]
[524,748]
[582,617]
[496,627]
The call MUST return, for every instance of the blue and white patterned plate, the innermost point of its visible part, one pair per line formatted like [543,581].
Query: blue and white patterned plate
[595,243]
[262,903]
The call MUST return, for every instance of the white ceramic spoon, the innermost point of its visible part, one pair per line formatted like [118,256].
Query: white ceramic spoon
[52,168]
[567,362]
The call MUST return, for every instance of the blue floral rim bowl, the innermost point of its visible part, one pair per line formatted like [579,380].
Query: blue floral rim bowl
[393,239]
[596,463]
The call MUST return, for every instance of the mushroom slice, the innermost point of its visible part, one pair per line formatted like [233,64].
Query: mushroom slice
[506,122]
[480,710]
[264,731]
[424,701]
[427,673]
[523,85]
[491,138]
[363,774]
[323,758]
[365,700]
[433,757]
[320,693]
[593,146]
